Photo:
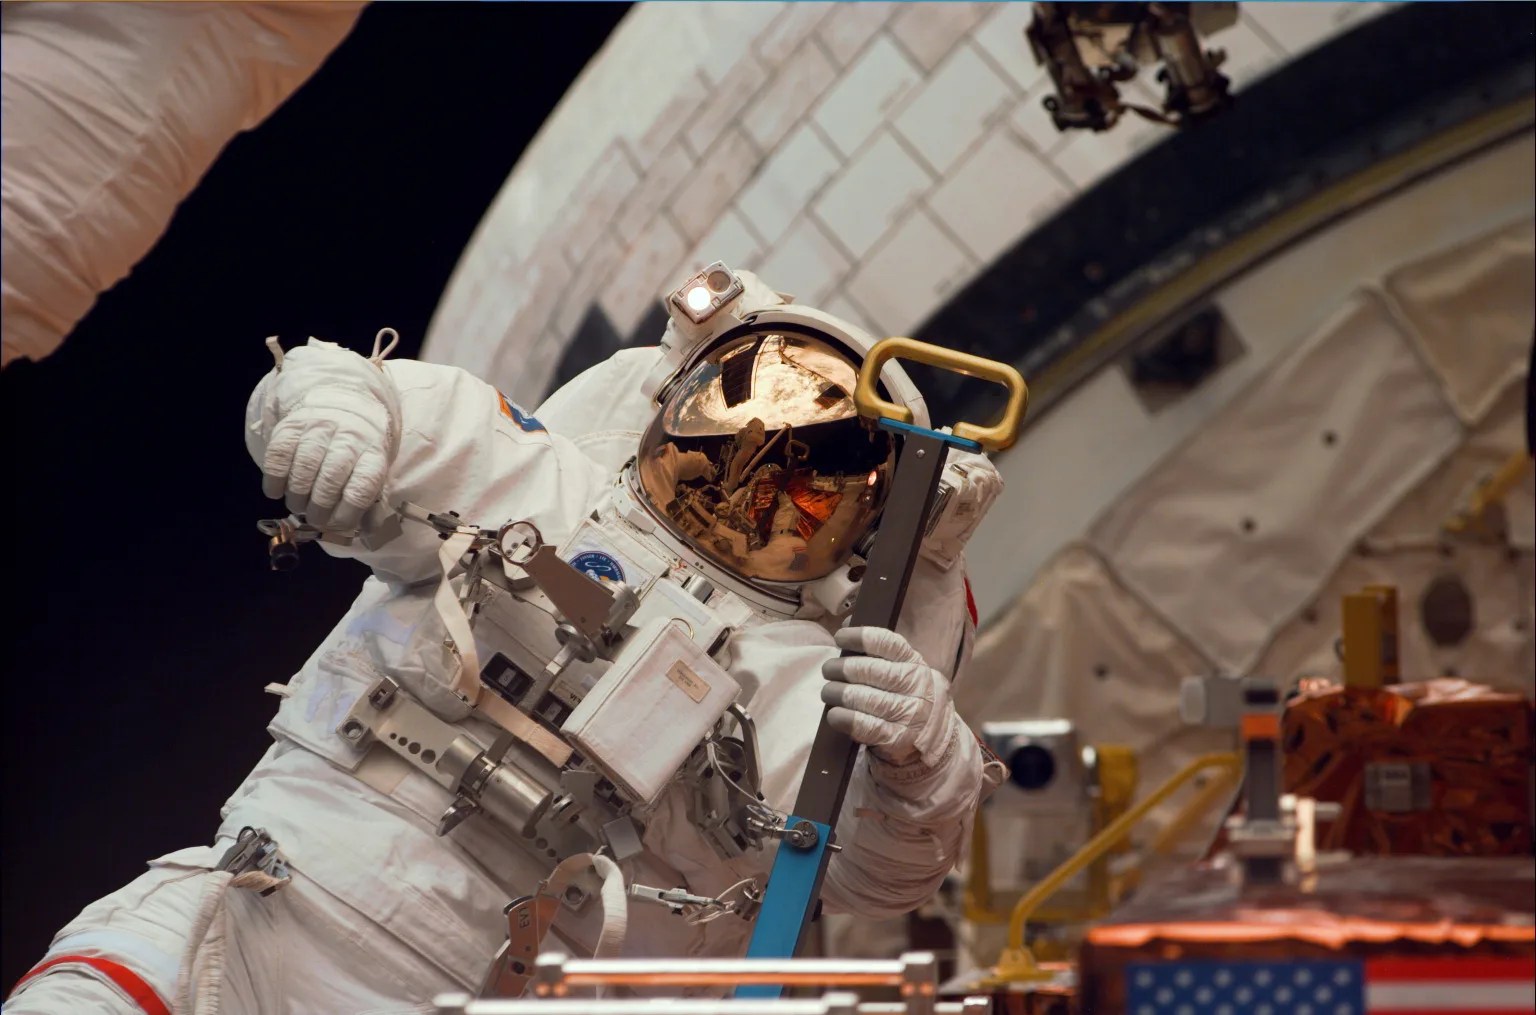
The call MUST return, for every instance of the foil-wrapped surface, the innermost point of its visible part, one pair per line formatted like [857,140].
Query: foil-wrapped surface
[1410,908]
[1435,768]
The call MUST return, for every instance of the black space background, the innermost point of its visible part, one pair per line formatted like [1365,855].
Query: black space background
[142,622]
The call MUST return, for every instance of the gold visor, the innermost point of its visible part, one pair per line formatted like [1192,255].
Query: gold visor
[760,461]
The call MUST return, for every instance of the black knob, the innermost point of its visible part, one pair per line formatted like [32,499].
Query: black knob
[283,555]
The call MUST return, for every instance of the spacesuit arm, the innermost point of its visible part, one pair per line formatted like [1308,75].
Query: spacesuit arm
[920,776]
[112,113]
[903,828]
[451,443]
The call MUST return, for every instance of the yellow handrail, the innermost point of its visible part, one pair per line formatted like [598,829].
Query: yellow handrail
[1016,962]
[998,437]
[1489,492]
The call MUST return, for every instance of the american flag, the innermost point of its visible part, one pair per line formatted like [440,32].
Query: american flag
[1462,986]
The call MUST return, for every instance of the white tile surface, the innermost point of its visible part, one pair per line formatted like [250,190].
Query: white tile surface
[1001,37]
[647,199]
[1249,55]
[597,197]
[805,264]
[546,276]
[539,283]
[930,30]
[720,32]
[800,81]
[790,31]
[725,103]
[668,125]
[1030,119]
[910,275]
[524,365]
[586,281]
[730,241]
[786,182]
[952,108]
[851,26]
[1088,157]
[1000,192]
[649,267]
[874,191]
[859,103]
[1300,26]
[714,183]
[840,306]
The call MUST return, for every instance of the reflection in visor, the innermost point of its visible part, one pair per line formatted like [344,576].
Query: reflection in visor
[760,461]
[779,380]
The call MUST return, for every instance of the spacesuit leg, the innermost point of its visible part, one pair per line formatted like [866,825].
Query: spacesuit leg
[86,993]
[131,946]
[182,939]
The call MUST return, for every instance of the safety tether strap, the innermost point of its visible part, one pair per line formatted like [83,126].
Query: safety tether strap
[466,682]
[615,899]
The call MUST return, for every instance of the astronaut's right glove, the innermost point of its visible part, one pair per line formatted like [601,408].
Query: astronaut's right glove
[889,699]
[324,427]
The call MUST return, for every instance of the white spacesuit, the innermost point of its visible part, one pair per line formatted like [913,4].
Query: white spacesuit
[369,907]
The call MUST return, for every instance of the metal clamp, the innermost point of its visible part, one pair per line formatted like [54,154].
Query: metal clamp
[676,898]
[254,850]
[997,437]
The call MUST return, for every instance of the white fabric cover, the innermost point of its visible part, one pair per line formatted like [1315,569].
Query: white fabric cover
[1179,538]
[109,115]
[1079,646]
[1408,550]
[1419,516]
[300,941]
[1471,310]
[1496,653]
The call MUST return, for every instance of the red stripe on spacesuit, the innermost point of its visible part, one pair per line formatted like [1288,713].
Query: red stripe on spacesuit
[970,603]
[141,993]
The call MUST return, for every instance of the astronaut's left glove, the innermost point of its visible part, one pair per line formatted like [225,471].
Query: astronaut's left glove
[324,427]
[889,699]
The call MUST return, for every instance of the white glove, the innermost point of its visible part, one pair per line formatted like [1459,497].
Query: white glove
[889,699]
[324,427]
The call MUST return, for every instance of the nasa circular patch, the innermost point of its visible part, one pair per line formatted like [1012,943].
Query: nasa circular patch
[598,565]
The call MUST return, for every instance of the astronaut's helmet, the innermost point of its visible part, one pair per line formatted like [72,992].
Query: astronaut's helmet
[757,457]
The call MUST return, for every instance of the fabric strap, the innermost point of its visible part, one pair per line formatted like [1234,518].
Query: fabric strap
[466,682]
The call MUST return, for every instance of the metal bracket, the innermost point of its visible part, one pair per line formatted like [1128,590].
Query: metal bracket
[255,850]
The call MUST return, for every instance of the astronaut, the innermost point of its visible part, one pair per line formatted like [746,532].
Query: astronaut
[729,462]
